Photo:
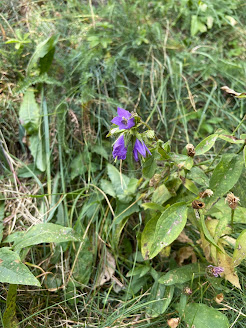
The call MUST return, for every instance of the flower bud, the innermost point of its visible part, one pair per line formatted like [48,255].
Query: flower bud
[232,200]
[190,150]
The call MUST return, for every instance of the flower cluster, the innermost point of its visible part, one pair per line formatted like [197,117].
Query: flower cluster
[126,121]
[214,271]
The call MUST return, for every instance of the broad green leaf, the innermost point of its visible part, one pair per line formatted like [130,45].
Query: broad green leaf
[182,274]
[239,189]
[225,175]
[13,271]
[168,227]
[231,139]
[160,298]
[152,206]
[140,271]
[41,51]
[37,151]
[206,144]
[107,187]
[161,195]
[85,261]
[124,210]
[198,175]
[100,150]
[244,155]
[9,316]
[29,113]
[240,249]
[150,165]
[207,232]
[190,185]
[119,180]
[197,26]
[202,316]
[147,236]
[45,233]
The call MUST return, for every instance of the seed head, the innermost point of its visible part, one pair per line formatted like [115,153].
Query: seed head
[190,150]
[232,200]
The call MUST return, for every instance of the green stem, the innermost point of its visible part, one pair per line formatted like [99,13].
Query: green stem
[9,316]
[232,218]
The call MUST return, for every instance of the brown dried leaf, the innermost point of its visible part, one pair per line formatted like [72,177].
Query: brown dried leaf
[183,238]
[232,92]
[226,262]
[108,269]
[219,298]
[173,322]
[184,253]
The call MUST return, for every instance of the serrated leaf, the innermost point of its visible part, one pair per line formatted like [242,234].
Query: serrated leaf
[13,271]
[45,233]
[206,144]
[168,227]
[41,51]
[182,274]
[240,249]
[29,113]
[202,316]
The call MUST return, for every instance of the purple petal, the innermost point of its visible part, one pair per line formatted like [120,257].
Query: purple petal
[117,120]
[130,123]
[140,148]
[123,113]
[135,154]
[119,149]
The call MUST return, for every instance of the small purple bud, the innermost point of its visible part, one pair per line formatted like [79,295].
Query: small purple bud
[140,148]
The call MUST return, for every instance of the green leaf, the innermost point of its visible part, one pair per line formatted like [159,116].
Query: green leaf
[152,206]
[225,175]
[161,195]
[2,203]
[182,274]
[206,144]
[139,271]
[147,236]
[13,271]
[123,211]
[29,113]
[239,189]
[240,249]
[107,187]
[41,51]
[198,175]
[150,165]
[160,298]
[202,316]
[190,185]
[45,233]
[37,151]
[231,139]
[85,261]
[168,227]
[197,26]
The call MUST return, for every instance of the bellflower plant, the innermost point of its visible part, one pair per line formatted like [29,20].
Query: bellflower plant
[119,149]
[124,119]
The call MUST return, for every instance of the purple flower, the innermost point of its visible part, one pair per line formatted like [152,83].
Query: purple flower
[124,119]
[140,148]
[214,271]
[119,149]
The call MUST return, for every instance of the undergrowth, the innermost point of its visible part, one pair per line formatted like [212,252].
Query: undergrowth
[164,60]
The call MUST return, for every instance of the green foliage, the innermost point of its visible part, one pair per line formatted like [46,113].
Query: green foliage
[202,316]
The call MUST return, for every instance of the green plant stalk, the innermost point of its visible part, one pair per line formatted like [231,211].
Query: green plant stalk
[232,218]
[47,144]
[9,316]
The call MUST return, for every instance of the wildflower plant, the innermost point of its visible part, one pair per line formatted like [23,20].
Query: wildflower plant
[185,194]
